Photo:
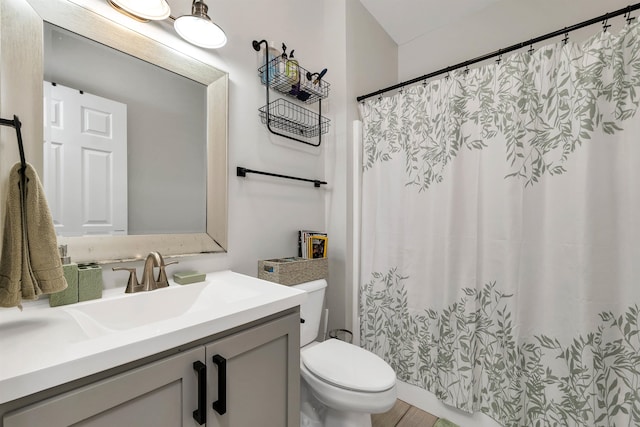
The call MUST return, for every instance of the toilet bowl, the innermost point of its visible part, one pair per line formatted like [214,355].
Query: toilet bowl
[341,384]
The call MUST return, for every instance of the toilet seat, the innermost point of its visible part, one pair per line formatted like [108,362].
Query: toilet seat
[348,367]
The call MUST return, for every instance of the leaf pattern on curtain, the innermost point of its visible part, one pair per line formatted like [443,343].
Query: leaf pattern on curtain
[544,104]
[468,357]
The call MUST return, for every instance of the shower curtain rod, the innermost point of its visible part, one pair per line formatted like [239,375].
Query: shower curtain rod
[565,31]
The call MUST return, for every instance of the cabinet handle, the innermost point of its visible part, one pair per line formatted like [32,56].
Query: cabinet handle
[200,414]
[220,405]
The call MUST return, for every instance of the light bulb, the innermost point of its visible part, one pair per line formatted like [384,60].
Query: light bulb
[200,31]
[154,10]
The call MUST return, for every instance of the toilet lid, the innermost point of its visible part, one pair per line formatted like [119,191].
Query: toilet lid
[348,366]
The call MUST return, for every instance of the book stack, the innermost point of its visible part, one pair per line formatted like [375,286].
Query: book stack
[312,244]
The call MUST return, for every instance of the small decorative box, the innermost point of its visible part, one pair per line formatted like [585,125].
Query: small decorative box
[293,271]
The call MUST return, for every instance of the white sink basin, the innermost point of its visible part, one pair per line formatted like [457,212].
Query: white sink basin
[42,347]
[56,329]
[75,323]
[129,311]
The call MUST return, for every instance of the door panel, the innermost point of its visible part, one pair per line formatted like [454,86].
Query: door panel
[161,394]
[262,376]
[160,408]
[85,152]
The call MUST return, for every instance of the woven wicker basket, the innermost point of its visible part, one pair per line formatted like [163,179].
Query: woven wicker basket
[293,271]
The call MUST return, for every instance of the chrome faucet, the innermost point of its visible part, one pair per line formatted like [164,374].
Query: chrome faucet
[148,283]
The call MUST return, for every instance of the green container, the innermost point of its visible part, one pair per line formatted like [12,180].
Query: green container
[69,295]
[89,282]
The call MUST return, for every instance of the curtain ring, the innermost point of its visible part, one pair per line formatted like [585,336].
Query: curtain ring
[605,25]
[628,16]
[565,40]
[531,50]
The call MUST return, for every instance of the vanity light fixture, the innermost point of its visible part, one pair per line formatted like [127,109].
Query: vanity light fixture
[143,10]
[199,29]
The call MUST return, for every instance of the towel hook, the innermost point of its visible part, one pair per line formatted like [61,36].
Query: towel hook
[16,124]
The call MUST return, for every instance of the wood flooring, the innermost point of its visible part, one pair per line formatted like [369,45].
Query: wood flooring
[403,415]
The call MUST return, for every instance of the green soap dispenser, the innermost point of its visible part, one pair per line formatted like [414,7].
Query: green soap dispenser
[70,270]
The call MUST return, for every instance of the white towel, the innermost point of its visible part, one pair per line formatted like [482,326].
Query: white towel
[30,263]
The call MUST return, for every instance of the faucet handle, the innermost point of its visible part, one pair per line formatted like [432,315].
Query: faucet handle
[132,283]
[162,281]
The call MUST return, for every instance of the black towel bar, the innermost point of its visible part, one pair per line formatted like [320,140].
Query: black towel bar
[240,171]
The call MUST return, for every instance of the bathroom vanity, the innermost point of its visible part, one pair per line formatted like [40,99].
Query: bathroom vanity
[224,352]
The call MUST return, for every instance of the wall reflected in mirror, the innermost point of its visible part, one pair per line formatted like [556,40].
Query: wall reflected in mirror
[125,142]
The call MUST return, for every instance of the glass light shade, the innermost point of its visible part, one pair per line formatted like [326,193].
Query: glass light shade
[200,31]
[154,10]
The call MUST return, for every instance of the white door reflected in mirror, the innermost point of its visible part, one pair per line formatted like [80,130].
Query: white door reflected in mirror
[85,162]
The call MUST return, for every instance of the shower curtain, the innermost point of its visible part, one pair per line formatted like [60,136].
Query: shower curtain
[501,235]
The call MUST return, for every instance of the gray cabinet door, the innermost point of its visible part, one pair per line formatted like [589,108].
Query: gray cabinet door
[161,394]
[262,382]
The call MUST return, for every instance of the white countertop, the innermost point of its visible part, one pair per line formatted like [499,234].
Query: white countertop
[42,347]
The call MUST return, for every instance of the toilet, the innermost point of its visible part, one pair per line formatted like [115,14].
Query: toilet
[341,384]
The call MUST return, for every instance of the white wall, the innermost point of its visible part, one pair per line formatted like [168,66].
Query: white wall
[372,60]
[264,213]
[354,42]
[503,24]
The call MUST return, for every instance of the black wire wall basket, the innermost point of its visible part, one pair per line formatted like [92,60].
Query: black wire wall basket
[293,119]
[286,76]
[294,81]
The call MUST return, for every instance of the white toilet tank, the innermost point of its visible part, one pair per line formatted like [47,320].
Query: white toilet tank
[311,310]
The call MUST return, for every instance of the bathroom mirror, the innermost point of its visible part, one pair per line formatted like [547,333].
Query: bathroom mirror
[211,235]
[125,142]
